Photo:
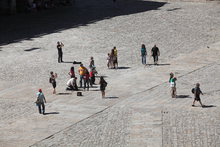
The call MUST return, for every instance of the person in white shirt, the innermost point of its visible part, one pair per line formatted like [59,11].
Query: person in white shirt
[71,84]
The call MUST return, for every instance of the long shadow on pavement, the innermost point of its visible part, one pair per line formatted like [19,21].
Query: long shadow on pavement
[26,26]
[51,113]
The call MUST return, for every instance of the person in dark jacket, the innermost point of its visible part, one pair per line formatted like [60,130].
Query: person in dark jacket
[155,53]
[197,91]
[60,52]
[103,85]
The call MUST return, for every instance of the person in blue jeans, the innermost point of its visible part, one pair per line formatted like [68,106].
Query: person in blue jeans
[143,54]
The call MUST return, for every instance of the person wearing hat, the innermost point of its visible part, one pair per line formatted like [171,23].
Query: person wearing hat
[40,102]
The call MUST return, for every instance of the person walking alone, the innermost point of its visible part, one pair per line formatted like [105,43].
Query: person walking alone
[40,101]
[143,54]
[52,80]
[197,91]
[60,52]
[172,82]
[155,53]
[103,85]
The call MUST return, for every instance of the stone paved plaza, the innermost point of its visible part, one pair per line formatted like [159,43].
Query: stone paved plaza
[138,110]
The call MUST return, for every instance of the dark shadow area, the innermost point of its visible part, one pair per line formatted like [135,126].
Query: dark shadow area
[64,93]
[208,106]
[29,25]
[158,64]
[73,62]
[0,50]
[102,76]
[51,113]
[111,97]
[93,87]
[123,67]
[95,90]
[183,96]
[173,9]
[32,49]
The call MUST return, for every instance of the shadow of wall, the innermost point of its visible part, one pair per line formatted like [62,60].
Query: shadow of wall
[26,26]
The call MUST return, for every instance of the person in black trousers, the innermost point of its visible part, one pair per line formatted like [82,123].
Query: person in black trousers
[155,53]
[60,52]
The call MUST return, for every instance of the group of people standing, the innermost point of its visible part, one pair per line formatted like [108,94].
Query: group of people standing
[155,53]
[87,77]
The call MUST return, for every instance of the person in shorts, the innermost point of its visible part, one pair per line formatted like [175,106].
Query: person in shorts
[197,91]
[53,81]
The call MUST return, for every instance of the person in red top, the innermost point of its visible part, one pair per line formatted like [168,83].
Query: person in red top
[86,80]
[92,74]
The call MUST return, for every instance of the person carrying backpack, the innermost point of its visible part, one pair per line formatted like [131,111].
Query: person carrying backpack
[40,102]
[197,91]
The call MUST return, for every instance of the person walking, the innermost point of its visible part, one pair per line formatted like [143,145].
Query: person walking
[197,91]
[103,85]
[143,54]
[40,101]
[60,52]
[82,70]
[172,82]
[52,80]
[155,53]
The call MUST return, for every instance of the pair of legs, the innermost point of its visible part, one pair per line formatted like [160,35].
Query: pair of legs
[54,87]
[197,99]
[80,80]
[92,80]
[103,93]
[155,59]
[41,108]
[143,58]
[173,92]
[60,57]
[86,84]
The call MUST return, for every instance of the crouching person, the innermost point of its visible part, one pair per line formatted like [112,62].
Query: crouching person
[71,84]
[40,102]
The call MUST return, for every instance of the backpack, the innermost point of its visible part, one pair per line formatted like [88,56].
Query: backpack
[193,90]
